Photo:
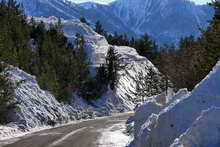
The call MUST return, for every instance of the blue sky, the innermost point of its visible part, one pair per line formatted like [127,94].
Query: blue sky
[107,1]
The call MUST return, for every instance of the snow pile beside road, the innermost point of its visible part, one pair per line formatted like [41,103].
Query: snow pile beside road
[205,131]
[154,106]
[163,128]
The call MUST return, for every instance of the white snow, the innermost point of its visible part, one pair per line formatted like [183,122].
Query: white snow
[205,131]
[174,120]
[97,47]
[114,137]
[154,106]
[39,108]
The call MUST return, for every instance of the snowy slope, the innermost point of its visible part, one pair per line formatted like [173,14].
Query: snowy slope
[36,107]
[97,47]
[180,115]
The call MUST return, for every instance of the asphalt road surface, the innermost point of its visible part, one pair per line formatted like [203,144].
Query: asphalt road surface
[83,134]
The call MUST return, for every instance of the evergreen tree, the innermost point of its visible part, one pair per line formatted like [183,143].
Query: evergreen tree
[99,29]
[6,93]
[114,63]
[83,20]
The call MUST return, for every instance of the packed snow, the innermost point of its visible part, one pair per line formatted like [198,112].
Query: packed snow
[191,119]
[114,136]
[205,131]
[154,106]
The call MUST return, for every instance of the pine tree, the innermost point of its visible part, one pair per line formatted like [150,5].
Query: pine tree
[6,93]
[83,20]
[140,91]
[114,63]
[99,29]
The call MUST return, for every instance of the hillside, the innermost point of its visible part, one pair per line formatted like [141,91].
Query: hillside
[39,107]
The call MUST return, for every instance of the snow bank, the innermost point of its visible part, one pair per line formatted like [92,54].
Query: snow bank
[205,131]
[175,119]
[145,111]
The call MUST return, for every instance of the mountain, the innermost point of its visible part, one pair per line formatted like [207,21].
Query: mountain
[166,21]
[68,10]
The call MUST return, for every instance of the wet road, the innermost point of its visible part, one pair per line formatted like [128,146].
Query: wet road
[83,134]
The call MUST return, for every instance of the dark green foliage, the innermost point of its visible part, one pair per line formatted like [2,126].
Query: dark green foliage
[6,94]
[144,45]
[114,63]
[99,29]
[96,86]
[60,66]
[151,84]
[188,64]
[83,20]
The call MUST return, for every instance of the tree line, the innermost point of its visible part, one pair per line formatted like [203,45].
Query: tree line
[184,65]
[60,66]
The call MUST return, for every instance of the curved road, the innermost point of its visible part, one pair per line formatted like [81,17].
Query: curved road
[83,134]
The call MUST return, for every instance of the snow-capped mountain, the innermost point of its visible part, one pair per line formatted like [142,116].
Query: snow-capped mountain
[68,10]
[165,20]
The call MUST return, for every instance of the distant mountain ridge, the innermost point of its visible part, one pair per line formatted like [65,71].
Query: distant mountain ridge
[165,20]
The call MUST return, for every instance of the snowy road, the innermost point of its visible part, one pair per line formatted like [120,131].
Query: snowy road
[104,132]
